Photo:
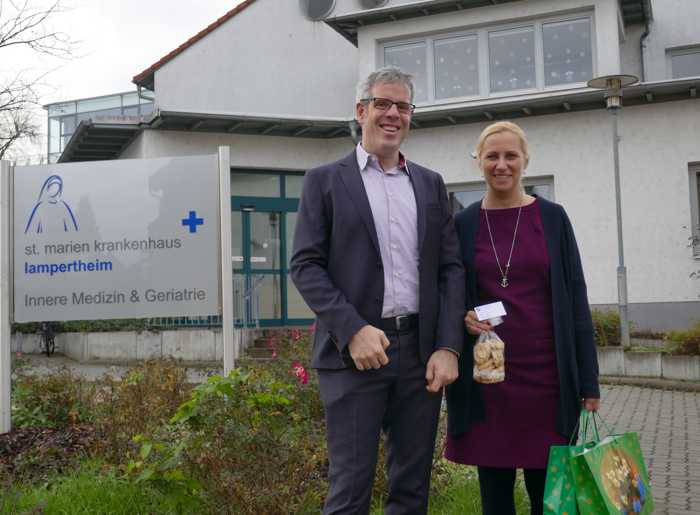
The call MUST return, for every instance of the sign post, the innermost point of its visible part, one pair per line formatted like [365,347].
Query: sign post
[136,238]
[5,295]
[225,261]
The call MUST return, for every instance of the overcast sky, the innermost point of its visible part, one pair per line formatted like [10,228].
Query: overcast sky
[117,39]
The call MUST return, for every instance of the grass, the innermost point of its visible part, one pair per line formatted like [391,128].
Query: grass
[460,495]
[94,489]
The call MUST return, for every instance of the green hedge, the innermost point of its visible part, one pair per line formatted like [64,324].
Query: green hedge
[606,327]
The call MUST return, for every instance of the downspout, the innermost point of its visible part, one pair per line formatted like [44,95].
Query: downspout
[642,41]
[353,126]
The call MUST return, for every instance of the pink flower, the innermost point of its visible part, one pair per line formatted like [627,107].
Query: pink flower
[312,327]
[274,354]
[300,372]
[296,335]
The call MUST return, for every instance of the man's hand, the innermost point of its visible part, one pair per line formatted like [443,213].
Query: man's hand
[367,348]
[591,404]
[442,370]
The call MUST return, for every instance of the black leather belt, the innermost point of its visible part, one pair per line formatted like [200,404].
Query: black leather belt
[399,324]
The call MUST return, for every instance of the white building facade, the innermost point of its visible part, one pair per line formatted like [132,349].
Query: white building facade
[278,88]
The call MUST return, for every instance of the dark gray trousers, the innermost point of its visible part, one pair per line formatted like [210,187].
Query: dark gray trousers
[358,406]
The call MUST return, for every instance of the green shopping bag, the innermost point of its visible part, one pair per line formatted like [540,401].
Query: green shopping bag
[611,477]
[560,491]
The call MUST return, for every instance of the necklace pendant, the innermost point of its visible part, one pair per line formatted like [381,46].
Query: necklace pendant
[504,282]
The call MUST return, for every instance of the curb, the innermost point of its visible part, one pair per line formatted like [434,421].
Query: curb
[647,382]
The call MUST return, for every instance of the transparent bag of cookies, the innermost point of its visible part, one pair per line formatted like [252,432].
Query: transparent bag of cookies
[489,359]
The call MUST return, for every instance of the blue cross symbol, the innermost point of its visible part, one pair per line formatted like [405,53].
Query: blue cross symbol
[192,221]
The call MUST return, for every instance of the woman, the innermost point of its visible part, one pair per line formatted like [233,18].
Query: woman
[520,250]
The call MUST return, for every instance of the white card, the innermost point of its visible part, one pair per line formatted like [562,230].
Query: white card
[488,311]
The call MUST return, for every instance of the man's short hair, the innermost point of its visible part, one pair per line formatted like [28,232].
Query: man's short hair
[386,74]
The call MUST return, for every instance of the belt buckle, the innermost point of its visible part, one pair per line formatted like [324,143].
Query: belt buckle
[402,322]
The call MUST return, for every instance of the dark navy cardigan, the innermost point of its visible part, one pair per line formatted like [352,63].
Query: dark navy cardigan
[577,361]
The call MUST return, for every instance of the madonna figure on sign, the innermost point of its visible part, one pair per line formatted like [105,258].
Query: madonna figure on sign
[520,250]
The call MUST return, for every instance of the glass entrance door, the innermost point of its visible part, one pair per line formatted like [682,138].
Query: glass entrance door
[261,248]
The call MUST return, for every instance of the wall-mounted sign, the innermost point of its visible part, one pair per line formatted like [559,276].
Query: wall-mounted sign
[117,239]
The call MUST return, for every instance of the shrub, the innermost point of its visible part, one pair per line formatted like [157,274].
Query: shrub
[684,342]
[54,400]
[87,326]
[606,327]
[139,403]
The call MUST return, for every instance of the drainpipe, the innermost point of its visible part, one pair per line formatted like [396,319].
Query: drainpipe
[354,134]
[642,41]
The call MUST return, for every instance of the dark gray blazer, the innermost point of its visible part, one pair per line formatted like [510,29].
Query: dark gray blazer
[337,266]
[577,360]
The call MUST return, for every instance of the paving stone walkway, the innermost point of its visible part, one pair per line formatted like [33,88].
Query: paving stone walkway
[668,424]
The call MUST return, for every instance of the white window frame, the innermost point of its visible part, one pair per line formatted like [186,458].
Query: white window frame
[482,34]
[694,183]
[674,52]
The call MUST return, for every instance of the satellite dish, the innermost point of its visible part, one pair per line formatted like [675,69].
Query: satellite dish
[371,4]
[316,9]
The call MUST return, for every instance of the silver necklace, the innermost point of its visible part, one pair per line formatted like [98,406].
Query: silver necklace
[504,274]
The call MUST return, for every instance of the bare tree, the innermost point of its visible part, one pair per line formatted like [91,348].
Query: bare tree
[25,26]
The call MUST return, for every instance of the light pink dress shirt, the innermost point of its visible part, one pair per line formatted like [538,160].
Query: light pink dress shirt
[393,204]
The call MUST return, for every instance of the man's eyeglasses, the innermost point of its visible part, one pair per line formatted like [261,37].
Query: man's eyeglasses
[384,104]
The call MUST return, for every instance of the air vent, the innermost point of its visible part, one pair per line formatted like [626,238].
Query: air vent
[371,4]
[316,9]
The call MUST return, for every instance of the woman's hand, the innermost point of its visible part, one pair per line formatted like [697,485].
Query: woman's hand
[591,404]
[474,326]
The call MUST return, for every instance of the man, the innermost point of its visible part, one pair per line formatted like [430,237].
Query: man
[376,258]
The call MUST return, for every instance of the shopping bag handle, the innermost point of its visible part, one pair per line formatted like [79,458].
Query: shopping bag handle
[596,415]
[587,418]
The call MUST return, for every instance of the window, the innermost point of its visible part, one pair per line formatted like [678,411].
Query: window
[684,62]
[497,60]
[462,195]
[411,58]
[695,208]
[567,52]
[456,67]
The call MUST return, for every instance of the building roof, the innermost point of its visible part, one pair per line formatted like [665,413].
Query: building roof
[633,11]
[102,139]
[106,138]
[146,78]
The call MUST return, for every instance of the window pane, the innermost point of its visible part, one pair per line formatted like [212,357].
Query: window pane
[264,240]
[293,185]
[267,293]
[98,104]
[66,108]
[296,307]
[237,239]
[541,190]
[54,135]
[456,67]
[410,58]
[686,65]
[131,111]
[146,108]
[567,52]
[255,185]
[130,99]
[512,59]
[67,124]
[461,199]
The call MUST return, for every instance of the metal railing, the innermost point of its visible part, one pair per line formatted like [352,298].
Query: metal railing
[246,308]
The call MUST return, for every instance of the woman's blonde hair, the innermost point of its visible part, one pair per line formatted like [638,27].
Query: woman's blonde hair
[497,128]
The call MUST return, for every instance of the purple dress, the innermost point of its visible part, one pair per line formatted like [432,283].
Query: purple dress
[520,422]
